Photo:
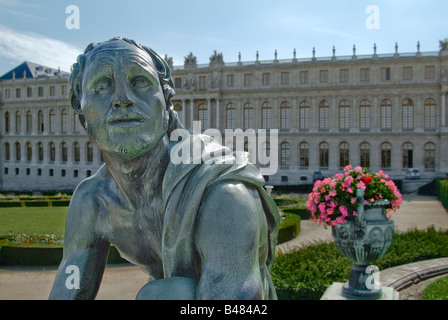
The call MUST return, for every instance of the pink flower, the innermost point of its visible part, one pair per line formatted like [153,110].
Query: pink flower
[358,169]
[344,211]
[361,185]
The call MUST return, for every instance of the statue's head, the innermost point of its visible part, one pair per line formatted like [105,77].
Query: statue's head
[122,92]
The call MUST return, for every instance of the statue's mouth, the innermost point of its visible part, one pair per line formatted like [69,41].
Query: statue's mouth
[125,120]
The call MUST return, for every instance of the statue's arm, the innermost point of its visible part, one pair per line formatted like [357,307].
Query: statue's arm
[85,251]
[230,222]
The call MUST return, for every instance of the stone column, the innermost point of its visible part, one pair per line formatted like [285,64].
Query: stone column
[209,111]
[191,114]
[217,115]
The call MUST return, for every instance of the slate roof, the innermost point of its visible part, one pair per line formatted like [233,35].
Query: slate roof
[32,70]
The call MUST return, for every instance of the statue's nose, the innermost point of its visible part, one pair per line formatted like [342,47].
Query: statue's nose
[121,99]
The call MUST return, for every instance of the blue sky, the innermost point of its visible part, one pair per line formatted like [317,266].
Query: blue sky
[36,30]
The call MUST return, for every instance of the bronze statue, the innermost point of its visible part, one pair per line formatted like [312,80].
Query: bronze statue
[200,230]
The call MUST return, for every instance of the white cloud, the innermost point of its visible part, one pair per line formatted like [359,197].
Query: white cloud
[36,48]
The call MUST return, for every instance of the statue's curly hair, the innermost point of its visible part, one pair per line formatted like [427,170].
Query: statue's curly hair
[162,69]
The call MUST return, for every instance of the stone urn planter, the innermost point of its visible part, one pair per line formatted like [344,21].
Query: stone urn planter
[364,239]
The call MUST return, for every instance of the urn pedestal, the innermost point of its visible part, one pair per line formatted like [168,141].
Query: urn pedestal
[364,240]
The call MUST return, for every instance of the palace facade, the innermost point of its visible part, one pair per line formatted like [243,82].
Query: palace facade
[382,111]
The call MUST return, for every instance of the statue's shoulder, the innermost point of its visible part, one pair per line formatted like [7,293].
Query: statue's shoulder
[88,192]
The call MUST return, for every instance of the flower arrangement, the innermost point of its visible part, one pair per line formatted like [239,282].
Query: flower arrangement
[333,200]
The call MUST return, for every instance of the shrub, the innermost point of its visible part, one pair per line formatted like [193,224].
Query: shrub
[305,273]
[442,191]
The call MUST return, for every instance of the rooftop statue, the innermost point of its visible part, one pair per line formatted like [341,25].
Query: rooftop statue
[200,230]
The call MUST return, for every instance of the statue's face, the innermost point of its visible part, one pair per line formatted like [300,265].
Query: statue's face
[122,100]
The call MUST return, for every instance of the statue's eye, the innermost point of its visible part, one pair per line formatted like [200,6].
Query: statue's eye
[102,84]
[140,82]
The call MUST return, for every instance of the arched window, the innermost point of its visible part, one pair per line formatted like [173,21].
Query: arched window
[52,120]
[64,117]
[344,154]
[179,111]
[64,155]
[285,115]
[266,153]
[7,151]
[324,115]
[324,152]
[364,115]
[18,122]
[364,156]
[386,153]
[203,115]
[304,155]
[248,116]
[430,155]
[304,116]
[386,115]
[40,152]
[52,151]
[230,116]
[18,151]
[266,115]
[344,115]
[76,152]
[40,121]
[7,122]
[430,114]
[89,152]
[408,155]
[29,122]
[284,154]
[408,114]
[29,151]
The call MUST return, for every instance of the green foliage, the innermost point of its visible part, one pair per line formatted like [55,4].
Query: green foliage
[305,273]
[442,191]
[438,290]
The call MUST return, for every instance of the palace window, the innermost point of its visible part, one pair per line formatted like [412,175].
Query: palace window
[324,152]
[386,115]
[18,151]
[248,116]
[304,155]
[40,121]
[178,83]
[230,116]
[343,75]
[324,115]
[407,73]
[202,83]
[18,122]
[40,91]
[40,152]
[52,151]
[304,116]
[52,120]
[364,159]
[344,154]
[284,154]
[52,91]
[76,123]
[248,80]
[407,155]
[29,151]
[344,115]
[18,93]
[29,92]
[323,76]
[303,77]
[385,74]
[430,155]
[76,152]
[29,121]
[203,116]
[266,116]
[7,151]
[285,115]
[64,117]
[64,152]
[178,109]
[7,122]
[230,80]
[430,114]
[386,153]
[364,115]
[430,72]
[89,153]
[285,77]
[408,114]
[266,79]
[266,148]
[365,74]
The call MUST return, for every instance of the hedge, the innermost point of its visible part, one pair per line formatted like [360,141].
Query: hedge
[43,256]
[442,191]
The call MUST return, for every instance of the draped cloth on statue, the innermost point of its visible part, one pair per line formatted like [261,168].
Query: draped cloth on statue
[183,188]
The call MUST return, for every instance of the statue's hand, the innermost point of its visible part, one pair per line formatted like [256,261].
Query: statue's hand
[174,288]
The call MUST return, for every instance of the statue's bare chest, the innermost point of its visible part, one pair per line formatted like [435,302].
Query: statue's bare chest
[136,233]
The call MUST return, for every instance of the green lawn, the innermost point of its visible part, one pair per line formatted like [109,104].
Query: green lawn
[33,220]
